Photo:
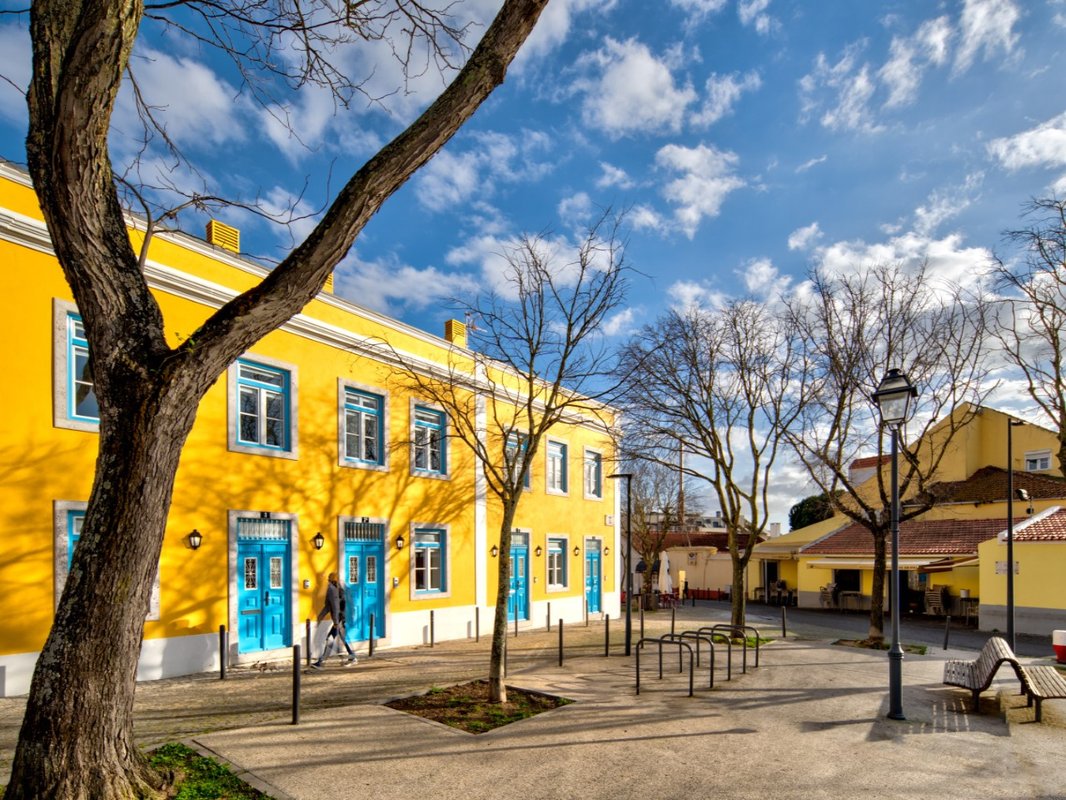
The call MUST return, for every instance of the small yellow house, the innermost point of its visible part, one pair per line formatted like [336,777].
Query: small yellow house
[307,457]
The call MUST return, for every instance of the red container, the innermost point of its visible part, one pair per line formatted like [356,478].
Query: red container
[1058,644]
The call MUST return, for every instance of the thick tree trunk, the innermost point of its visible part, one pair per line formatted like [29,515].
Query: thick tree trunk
[739,591]
[77,735]
[877,591]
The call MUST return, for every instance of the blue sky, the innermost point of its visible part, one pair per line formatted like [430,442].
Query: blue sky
[749,141]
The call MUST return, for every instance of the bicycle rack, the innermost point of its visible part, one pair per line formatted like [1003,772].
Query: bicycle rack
[698,637]
[661,641]
[730,627]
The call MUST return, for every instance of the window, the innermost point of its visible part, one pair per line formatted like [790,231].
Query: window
[74,403]
[593,475]
[517,444]
[557,562]
[557,479]
[363,427]
[428,560]
[263,408]
[1038,461]
[429,455]
[75,519]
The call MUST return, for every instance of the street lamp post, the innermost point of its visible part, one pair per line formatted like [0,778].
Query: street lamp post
[1011,425]
[629,556]
[893,397]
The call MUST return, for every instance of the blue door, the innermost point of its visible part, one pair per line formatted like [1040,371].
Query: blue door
[364,559]
[518,597]
[264,585]
[592,576]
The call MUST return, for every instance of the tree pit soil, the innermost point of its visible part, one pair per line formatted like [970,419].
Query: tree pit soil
[467,706]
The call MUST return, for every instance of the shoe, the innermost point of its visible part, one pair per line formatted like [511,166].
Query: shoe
[352,661]
[317,665]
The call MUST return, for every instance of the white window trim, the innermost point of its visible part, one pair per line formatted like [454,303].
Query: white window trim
[61,548]
[342,386]
[233,409]
[527,484]
[445,453]
[584,485]
[567,477]
[550,587]
[446,573]
[61,310]
[1034,454]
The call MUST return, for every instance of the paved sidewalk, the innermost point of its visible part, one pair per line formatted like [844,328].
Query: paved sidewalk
[808,723]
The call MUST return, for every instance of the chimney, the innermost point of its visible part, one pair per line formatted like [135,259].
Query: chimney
[455,332]
[222,235]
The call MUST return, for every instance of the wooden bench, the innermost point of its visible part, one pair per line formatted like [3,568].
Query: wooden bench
[1042,683]
[977,675]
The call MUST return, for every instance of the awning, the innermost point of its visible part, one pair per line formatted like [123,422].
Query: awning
[948,564]
[867,563]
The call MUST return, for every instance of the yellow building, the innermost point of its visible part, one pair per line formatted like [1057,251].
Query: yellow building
[308,456]
[948,555]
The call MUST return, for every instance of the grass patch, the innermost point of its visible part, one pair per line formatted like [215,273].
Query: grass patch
[467,706]
[199,777]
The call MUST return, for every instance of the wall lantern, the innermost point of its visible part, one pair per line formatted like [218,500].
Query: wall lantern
[539,551]
[399,542]
[577,551]
[318,540]
[195,539]
[606,551]
[495,551]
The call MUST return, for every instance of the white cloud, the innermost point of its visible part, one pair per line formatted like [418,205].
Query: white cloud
[723,91]
[706,179]
[614,176]
[491,255]
[987,28]
[1042,146]
[385,285]
[942,205]
[690,294]
[845,88]
[632,91]
[762,279]
[621,323]
[17,68]
[698,10]
[575,208]
[753,13]
[553,27]
[812,162]
[910,56]
[643,217]
[803,238]
[448,180]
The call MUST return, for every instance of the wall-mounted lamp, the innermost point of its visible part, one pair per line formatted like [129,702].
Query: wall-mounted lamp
[318,540]
[606,551]
[577,551]
[495,551]
[539,551]
[195,539]
[399,542]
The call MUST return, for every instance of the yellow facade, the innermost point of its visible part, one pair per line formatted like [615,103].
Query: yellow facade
[325,355]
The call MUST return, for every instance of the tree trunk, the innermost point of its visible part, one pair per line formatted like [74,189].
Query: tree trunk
[877,591]
[739,599]
[497,672]
[77,734]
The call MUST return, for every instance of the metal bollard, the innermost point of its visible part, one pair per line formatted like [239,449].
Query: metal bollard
[477,623]
[307,642]
[586,612]
[432,632]
[947,630]
[784,624]
[296,684]
[549,615]
[516,622]
[642,617]
[673,619]
[560,641]
[222,652]
[370,645]
[606,635]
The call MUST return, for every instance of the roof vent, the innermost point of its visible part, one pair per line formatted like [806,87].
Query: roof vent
[455,332]
[222,235]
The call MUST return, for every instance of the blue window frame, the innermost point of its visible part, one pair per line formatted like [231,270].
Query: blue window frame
[557,478]
[557,562]
[81,398]
[264,402]
[75,519]
[363,427]
[593,474]
[429,452]
[429,560]
[516,447]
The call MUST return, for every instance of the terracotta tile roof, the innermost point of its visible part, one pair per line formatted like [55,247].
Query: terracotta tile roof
[1043,528]
[989,485]
[698,539]
[869,461]
[947,537]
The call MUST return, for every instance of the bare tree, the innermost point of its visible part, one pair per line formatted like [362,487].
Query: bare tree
[77,735]
[537,360]
[655,504]
[852,328]
[1032,329]
[716,383]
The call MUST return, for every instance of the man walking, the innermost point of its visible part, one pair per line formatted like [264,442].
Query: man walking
[335,608]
